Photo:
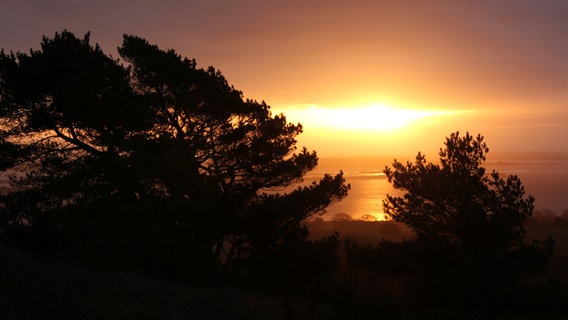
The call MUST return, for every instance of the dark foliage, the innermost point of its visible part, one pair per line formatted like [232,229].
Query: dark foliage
[470,255]
[146,162]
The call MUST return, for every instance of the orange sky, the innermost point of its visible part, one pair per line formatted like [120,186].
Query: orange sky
[498,68]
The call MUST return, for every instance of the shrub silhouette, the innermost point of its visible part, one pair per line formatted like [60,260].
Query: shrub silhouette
[342,217]
[368,217]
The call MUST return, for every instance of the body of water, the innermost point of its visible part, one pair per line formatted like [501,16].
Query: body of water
[544,175]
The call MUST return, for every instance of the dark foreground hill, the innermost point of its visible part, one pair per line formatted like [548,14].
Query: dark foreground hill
[32,289]
[373,231]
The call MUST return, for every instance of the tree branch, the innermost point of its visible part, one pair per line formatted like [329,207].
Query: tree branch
[75,140]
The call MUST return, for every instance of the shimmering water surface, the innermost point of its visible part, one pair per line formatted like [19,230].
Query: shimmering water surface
[545,176]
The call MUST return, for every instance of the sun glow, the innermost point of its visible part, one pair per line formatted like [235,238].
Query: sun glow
[376,117]
[374,129]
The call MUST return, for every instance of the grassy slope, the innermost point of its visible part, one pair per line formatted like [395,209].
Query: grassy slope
[31,289]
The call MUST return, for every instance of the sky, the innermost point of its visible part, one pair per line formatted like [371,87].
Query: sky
[365,78]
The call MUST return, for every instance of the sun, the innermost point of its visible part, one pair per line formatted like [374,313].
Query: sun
[373,117]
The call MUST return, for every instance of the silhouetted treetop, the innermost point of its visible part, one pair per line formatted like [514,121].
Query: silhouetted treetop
[153,133]
[470,255]
[457,200]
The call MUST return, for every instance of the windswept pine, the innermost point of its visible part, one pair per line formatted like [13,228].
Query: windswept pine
[147,162]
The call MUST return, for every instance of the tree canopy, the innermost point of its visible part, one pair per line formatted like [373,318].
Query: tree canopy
[146,156]
[457,200]
[470,248]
